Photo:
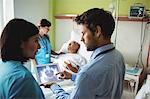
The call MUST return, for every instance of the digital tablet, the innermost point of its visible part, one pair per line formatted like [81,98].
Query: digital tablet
[47,73]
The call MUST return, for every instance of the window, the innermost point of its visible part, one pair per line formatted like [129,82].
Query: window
[6,12]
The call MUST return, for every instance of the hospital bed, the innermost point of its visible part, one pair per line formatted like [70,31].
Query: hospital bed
[144,92]
[68,85]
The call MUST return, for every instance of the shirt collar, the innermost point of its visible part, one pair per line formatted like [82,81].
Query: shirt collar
[101,49]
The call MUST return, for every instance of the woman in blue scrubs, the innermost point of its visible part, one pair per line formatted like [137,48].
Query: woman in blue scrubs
[18,44]
[43,56]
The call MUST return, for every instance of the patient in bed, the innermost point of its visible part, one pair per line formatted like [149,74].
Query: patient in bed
[71,56]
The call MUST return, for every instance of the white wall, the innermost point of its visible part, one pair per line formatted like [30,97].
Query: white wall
[31,10]
[128,38]
[63,30]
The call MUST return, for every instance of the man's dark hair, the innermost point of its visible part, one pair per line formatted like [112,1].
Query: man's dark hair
[97,17]
[45,22]
[16,31]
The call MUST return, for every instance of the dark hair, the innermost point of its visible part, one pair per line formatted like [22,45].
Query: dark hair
[45,22]
[97,17]
[16,31]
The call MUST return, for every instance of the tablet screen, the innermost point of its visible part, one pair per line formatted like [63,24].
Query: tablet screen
[47,73]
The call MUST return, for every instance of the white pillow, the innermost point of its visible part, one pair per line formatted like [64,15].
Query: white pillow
[64,48]
[76,35]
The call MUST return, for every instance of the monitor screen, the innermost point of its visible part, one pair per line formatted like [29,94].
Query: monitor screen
[136,11]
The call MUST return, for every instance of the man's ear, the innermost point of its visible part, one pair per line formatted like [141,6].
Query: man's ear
[98,31]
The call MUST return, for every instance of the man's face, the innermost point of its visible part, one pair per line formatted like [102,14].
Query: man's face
[88,38]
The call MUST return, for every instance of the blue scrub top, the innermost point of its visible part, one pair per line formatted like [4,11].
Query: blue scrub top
[43,56]
[16,82]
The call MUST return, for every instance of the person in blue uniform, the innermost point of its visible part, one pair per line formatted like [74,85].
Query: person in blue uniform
[43,56]
[102,77]
[18,44]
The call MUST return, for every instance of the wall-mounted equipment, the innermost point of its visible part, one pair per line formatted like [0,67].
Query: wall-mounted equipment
[137,11]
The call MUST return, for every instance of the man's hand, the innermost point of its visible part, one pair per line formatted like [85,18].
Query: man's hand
[64,75]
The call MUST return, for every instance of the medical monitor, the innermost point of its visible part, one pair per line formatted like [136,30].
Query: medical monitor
[136,12]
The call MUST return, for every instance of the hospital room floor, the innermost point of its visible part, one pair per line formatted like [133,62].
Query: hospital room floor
[128,93]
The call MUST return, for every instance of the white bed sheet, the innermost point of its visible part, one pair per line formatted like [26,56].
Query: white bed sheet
[75,58]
